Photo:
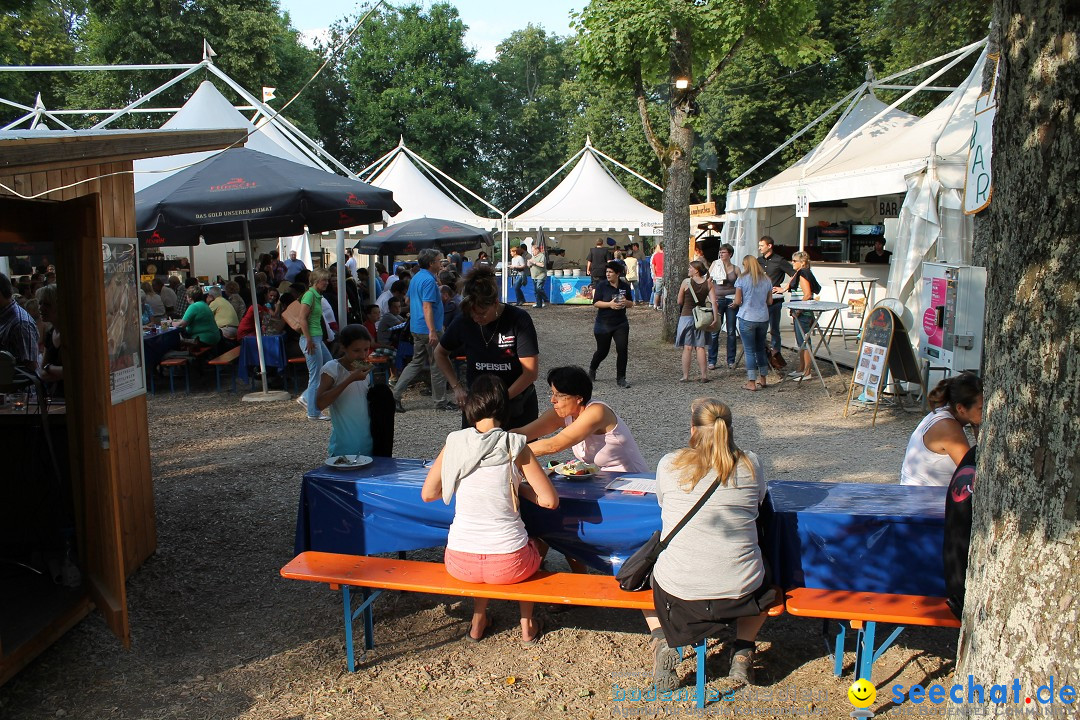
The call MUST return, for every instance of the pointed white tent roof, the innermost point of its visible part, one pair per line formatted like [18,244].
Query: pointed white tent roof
[589,198]
[208,109]
[872,158]
[419,197]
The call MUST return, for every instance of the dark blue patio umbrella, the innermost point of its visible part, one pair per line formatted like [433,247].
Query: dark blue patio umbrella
[241,195]
[412,236]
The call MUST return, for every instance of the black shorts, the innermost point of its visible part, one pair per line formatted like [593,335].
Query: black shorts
[688,622]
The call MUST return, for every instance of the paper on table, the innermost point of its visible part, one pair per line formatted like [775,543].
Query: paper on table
[633,483]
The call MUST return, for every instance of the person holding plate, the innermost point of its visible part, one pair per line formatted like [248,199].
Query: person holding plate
[496,338]
[597,435]
[343,387]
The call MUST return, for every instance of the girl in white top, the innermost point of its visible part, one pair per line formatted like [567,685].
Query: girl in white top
[483,466]
[939,444]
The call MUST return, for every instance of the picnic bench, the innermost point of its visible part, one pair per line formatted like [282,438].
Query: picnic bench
[861,612]
[375,575]
[225,360]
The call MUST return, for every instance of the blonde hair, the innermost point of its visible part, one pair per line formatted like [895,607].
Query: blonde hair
[712,446]
[752,267]
[801,256]
[318,276]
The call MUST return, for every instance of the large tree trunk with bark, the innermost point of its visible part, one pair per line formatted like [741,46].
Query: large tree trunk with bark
[1022,610]
[676,216]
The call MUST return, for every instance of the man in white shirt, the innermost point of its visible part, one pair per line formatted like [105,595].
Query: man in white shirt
[350,264]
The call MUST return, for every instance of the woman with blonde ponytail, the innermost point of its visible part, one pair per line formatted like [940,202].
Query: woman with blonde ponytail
[712,571]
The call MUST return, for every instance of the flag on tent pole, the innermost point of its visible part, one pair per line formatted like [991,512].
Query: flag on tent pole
[268,93]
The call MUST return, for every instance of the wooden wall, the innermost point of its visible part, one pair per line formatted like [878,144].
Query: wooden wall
[129,453]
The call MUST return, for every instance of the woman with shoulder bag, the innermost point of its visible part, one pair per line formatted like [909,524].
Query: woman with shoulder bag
[720,488]
[697,298]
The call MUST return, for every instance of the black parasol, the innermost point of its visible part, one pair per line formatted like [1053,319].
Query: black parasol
[412,236]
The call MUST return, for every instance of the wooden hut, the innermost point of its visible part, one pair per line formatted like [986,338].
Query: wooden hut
[88,195]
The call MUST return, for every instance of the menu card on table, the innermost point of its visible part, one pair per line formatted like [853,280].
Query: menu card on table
[637,484]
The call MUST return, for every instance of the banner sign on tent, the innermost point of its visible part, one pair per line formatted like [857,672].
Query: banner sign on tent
[978,188]
[802,203]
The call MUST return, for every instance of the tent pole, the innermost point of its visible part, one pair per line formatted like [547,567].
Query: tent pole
[802,234]
[372,273]
[342,300]
[505,255]
[250,245]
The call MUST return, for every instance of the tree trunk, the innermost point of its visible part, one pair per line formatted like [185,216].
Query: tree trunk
[677,184]
[1023,596]
[676,217]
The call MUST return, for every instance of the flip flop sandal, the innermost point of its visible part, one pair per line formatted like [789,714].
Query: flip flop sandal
[487,626]
[535,639]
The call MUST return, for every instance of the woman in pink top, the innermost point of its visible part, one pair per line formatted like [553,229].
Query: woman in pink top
[596,434]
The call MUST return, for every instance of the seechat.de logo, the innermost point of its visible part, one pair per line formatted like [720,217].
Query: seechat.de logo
[234,184]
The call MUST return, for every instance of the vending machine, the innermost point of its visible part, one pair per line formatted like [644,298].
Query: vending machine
[953,306]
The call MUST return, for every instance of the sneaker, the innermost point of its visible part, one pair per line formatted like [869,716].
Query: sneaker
[622,382]
[324,416]
[301,401]
[799,377]
[712,366]
[742,667]
[794,374]
[398,406]
[446,406]
[665,660]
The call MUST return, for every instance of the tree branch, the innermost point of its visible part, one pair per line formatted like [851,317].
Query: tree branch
[643,110]
[723,62]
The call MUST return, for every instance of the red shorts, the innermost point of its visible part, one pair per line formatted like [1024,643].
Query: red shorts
[502,569]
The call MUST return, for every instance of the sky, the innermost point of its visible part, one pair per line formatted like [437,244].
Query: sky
[489,21]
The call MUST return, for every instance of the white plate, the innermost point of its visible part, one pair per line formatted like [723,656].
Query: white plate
[558,470]
[348,461]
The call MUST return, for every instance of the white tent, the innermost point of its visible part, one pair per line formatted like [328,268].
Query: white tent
[863,158]
[417,193]
[589,202]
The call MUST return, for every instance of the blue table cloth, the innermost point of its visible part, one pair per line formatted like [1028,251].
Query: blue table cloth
[155,345]
[841,536]
[273,351]
[377,509]
[859,537]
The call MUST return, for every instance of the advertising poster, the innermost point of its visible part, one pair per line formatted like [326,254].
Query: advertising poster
[123,318]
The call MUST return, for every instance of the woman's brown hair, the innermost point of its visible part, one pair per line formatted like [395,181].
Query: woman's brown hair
[963,389]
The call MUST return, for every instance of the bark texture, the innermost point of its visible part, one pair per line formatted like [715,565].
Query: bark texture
[678,178]
[1023,594]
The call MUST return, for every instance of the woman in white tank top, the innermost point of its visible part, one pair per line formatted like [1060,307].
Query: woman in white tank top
[939,444]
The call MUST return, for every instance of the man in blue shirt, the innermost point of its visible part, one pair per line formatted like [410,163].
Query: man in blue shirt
[293,266]
[426,326]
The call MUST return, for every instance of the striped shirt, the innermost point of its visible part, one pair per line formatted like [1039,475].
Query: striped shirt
[19,335]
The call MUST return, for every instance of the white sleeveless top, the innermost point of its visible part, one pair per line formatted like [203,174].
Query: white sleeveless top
[486,521]
[923,466]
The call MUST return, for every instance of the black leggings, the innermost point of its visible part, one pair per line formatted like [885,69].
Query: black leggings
[621,335]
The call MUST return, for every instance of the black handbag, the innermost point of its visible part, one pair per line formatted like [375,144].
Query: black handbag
[636,573]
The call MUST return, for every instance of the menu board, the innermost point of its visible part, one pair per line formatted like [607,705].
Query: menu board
[123,318]
[874,351]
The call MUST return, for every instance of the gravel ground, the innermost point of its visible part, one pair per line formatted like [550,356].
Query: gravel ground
[217,633]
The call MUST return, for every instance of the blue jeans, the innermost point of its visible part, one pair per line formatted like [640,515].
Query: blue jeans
[727,314]
[519,284]
[774,323]
[315,361]
[753,340]
[541,296]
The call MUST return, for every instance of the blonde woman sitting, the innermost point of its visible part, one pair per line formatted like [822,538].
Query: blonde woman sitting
[712,572]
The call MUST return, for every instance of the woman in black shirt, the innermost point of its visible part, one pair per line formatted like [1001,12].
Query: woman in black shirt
[496,339]
[611,298]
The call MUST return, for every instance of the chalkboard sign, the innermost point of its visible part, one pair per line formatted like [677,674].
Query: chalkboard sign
[885,349]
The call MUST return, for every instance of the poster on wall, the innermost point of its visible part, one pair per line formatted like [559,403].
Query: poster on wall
[123,318]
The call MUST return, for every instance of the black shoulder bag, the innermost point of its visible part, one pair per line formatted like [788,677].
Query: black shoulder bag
[636,573]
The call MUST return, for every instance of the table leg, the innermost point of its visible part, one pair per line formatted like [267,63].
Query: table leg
[808,345]
[347,600]
[701,672]
[824,340]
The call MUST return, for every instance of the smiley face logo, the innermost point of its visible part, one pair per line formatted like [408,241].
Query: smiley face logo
[862,693]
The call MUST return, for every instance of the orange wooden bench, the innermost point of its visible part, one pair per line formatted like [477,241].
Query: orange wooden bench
[225,360]
[344,571]
[861,612]
[170,365]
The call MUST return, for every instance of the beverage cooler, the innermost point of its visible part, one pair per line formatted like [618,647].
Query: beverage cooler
[953,308]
